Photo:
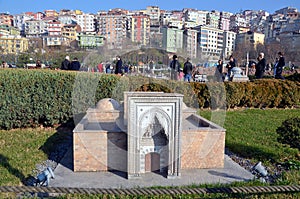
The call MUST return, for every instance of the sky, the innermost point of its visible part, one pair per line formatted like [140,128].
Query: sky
[92,6]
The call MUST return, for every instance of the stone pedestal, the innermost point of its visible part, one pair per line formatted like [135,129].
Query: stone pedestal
[237,75]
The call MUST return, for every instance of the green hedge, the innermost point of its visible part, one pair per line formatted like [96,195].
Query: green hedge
[30,98]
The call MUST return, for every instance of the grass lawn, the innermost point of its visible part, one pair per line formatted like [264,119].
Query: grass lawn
[20,152]
[251,133]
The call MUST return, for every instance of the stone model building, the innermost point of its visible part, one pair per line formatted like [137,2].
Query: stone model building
[148,132]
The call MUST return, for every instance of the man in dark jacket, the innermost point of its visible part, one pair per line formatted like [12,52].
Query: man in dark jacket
[119,65]
[65,65]
[187,70]
[260,66]
[175,68]
[279,66]
[75,65]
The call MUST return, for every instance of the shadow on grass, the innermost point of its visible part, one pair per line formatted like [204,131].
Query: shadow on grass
[4,162]
[57,145]
[247,151]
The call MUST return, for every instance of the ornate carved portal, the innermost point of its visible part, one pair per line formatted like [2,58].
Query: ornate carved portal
[154,132]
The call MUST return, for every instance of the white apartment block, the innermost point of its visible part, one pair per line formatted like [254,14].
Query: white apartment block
[176,24]
[238,20]
[67,19]
[35,28]
[154,14]
[198,16]
[86,22]
[165,18]
[213,19]
[52,41]
[209,41]
[19,21]
[228,43]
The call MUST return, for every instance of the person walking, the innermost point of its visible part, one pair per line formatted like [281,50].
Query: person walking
[175,68]
[230,65]
[65,65]
[75,65]
[260,66]
[119,64]
[187,70]
[279,67]
[219,71]
[275,66]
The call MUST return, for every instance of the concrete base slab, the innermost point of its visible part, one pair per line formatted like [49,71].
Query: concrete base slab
[65,177]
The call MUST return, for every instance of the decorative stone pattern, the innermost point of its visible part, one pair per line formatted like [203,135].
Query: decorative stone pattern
[166,108]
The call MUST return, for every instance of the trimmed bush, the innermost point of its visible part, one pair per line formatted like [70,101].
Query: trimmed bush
[30,98]
[289,132]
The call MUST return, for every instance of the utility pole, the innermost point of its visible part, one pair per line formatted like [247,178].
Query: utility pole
[247,64]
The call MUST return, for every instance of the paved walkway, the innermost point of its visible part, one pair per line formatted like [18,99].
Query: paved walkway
[65,177]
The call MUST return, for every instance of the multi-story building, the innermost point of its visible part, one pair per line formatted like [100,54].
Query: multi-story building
[292,26]
[51,13]
[114,29]
[6,19]
[210,41]
[70,31]
[86,21]
[39,15]
[286,10]
[35,28]
[54,28]
[139,29]
[213,19]
[172,39]
[236,21]
[176,24]
[9,30]
[165,18]
[224,22]
[228,44]
[197,16]
[154,14]
[13,44]
[190,43]
[274,24]
[4,31]
[55,41]
[189,24]
[250,39]
[19,21]
[67,19]
[90,40]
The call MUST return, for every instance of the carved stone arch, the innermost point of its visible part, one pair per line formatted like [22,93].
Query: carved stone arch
[155,113]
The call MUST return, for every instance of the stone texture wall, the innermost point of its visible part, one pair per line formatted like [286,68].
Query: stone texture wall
[90,151]
[91,154]
[202,149]
[102,151]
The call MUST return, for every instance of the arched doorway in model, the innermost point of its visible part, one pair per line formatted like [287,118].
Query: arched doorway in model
[152,162]
[154,146]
